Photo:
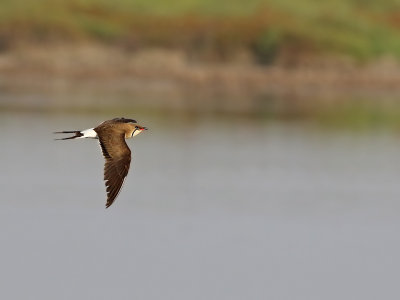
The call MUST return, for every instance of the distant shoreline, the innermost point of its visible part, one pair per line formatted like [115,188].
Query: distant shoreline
[102,79]
[169,71]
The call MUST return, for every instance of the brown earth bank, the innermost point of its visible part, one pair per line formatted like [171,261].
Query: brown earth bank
[115,66]
[171,74]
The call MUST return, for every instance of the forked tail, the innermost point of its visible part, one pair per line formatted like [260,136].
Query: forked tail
[78,134]
[88,133]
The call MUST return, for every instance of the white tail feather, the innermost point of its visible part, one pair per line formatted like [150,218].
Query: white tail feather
[88,133]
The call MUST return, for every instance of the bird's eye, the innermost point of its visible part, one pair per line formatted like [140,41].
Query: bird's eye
[136,127]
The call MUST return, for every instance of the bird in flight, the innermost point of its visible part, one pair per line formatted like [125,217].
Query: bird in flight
[111,135]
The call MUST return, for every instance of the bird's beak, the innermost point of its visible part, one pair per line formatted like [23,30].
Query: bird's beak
[144,128]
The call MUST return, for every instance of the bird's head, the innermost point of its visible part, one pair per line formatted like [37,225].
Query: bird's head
[138,129]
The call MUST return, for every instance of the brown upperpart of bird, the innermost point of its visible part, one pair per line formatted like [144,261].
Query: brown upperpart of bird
[111,135]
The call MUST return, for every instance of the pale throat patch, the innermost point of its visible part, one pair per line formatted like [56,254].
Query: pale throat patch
[136,132]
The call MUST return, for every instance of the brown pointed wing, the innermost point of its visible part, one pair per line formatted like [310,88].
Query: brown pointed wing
[118,160]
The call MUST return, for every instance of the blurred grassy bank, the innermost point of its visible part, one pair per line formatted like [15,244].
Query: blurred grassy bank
[334,62]
[269,31]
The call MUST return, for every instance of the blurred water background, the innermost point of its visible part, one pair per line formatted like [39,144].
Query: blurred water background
[270,170]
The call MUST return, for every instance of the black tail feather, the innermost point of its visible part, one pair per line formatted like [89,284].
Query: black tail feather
[77,134]
[72,131]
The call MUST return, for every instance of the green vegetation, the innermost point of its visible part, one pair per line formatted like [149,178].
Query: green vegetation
[362,29]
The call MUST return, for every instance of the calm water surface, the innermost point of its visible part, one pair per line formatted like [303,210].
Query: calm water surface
[211,209]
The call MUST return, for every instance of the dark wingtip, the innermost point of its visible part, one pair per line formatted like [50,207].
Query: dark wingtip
[109,202]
